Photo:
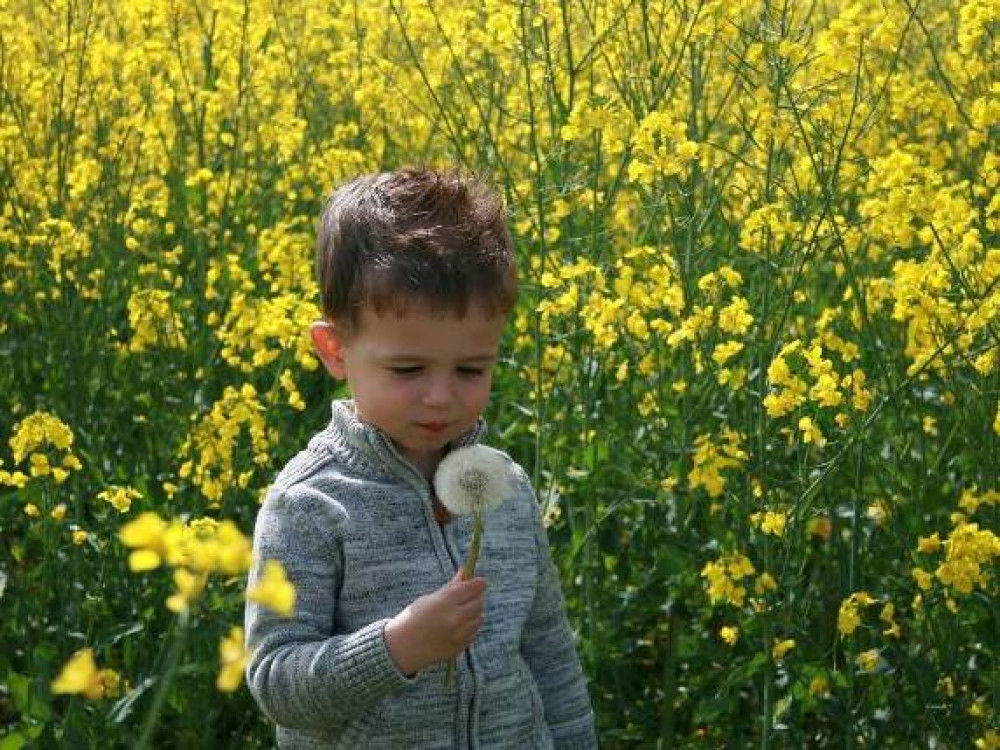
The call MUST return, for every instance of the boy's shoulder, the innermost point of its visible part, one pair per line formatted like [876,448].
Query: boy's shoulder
[314,474]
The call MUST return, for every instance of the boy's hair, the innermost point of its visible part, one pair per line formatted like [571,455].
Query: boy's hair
[417,235]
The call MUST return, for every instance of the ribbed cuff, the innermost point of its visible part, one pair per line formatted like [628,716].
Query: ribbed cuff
[366,667]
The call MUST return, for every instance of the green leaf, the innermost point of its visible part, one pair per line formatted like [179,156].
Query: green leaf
[20,690]
[123,707]
[13,741]
[28,698]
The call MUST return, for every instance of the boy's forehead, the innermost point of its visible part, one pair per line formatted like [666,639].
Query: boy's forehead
[420,329]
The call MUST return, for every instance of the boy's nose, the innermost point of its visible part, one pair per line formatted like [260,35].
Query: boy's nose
[438,392]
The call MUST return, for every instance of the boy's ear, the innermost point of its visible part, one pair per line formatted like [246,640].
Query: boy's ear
[329,344]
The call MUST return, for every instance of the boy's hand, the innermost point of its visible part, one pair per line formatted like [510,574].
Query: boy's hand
[438,626]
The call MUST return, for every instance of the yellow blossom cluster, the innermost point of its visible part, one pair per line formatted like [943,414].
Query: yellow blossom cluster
[848,616]
[713,456]
[46,442]
[81,675]
[971,552]
[154,321]
[120,498]
[770,522]
[661,148]
[781,648]
[723,579]
[197,549]
[232,659]
[212,450]
[800,374]
[724,212]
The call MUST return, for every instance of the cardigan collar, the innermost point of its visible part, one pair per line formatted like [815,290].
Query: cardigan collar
[369,449]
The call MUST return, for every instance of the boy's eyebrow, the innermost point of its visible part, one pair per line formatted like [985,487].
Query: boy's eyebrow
[485,357]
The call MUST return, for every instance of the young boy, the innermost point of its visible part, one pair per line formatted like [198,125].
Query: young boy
[417,276]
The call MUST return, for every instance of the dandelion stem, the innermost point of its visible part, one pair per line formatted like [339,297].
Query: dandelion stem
[469,570]
[469,566]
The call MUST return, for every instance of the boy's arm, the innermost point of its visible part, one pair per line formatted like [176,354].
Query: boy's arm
[301,675]
[548,648]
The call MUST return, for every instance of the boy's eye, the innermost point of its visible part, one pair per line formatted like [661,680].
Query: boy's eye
[470,372]
[406,369]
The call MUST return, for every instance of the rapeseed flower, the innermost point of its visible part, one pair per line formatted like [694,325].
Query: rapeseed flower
[848,617]
[868,660]
[770,522]
[147,536]
[274,590]
[33,438]
[723,577]
[80,675]
[970,552]
[781,648]
[120,497]
[232,661]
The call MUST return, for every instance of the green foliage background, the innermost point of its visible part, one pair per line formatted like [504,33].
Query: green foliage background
[760,275]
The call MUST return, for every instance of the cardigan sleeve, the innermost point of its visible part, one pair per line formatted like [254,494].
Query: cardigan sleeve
[548,647]
[301,674]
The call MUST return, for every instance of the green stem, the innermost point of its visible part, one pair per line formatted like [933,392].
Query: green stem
[469,566]
[469,570]
[173,659]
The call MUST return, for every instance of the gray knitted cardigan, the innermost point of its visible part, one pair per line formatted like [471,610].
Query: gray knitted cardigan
[353,524]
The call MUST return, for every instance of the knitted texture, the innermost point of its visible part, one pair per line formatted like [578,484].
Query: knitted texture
[353,524]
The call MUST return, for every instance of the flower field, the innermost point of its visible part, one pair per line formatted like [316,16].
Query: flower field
[754,370]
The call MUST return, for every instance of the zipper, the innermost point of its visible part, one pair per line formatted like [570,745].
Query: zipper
[425,489]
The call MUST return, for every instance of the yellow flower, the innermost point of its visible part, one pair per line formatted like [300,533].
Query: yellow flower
[989,741]
[811,433]
[781,648]
[79,675]
[928,545]
[79,537]
[765,583]
[770,522]
[120,497]
[922,577]
[848,618]
[111,683]
[37,431]
[274,590]
[729,634]
[59,512]
[930,426]
[146,533]
[819,686]
[31,510]
[14,479]
[971,551]
[722,578]
[867,660]
[726,351]
[232,659]
[878,512]
[189,588]
[887,615]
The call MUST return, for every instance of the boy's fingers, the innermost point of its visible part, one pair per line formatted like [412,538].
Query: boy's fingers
[473,588]
[463,591]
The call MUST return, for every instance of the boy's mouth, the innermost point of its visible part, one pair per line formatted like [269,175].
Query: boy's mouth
[433,427]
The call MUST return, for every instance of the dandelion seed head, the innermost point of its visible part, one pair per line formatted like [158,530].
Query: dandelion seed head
[473,478]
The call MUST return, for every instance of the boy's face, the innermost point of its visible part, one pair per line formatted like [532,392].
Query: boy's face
[421,378]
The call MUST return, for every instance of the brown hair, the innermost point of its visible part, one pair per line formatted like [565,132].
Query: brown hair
[417,235]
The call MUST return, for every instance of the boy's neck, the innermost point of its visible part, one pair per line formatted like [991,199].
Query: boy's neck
[425,463]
